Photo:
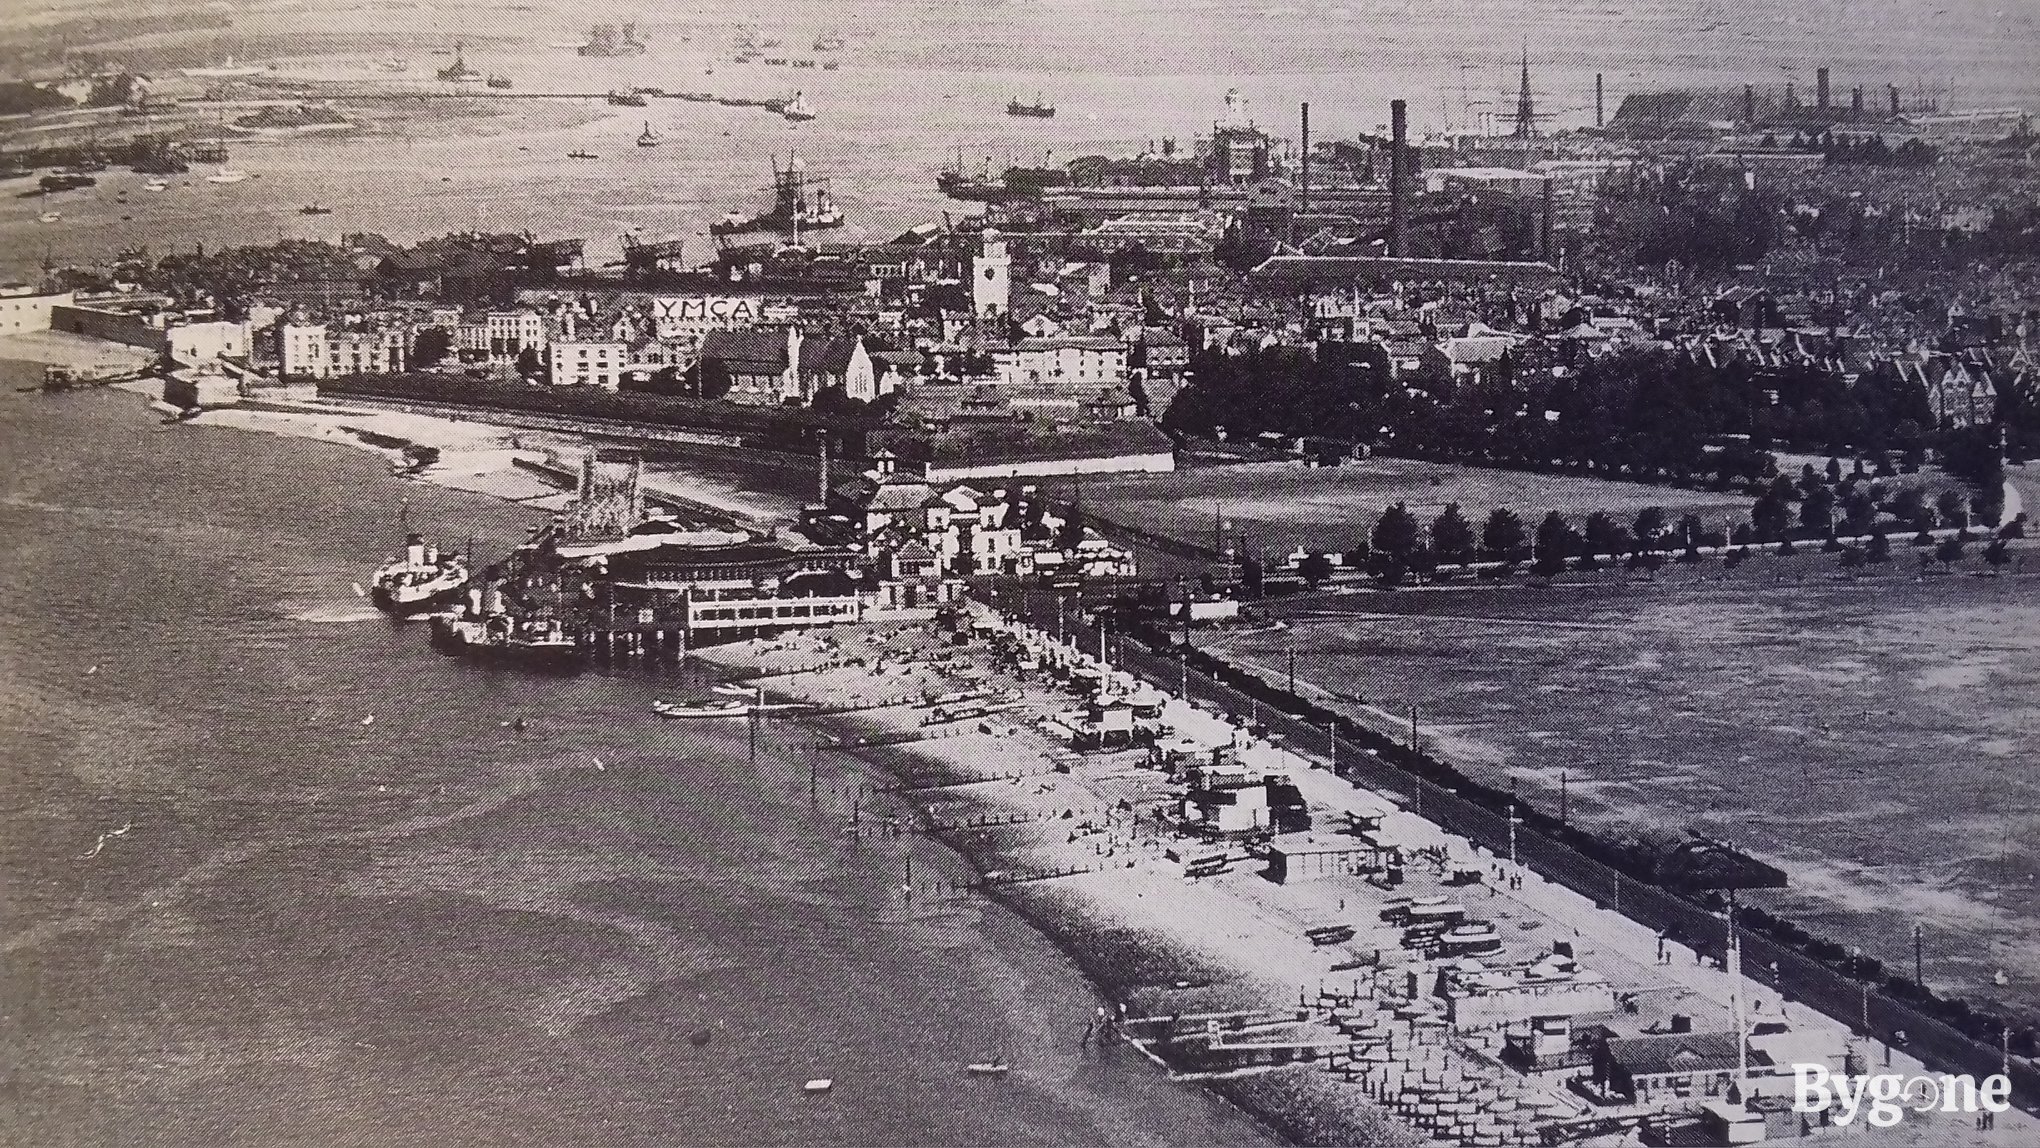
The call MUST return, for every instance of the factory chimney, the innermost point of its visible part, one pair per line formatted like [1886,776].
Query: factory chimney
[1303,197]
[1544,238]
[1820,95]
[1791,99]
[1894,98]
[1749,103]
[1600,119]
[1856,103]
[1398,175]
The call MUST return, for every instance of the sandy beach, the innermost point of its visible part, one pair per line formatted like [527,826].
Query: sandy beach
[1082,844]
[477,457]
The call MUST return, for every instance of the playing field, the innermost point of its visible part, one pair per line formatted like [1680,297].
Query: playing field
[1277,506]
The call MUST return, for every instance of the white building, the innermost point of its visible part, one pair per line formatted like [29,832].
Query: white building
[991,279]
[23,308]
[1080,360]
[312,350]
[510,332]
[194,343]
[589,363]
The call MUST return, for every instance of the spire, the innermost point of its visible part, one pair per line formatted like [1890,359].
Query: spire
[1526,112]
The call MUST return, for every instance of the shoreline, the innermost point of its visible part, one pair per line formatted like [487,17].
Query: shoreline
[1195,932]
[1063,919]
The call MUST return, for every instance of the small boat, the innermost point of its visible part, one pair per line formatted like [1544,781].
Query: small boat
[227,175]
[730,708]
[818,1084]
[830,65]
[500,83]
[648,137]
[623,99]
[797,109]
[997,1067]
[803,63]
[577,153]
[50,217]
[776,61]
[156,185]
[733,689]
[315,209]
[828,42]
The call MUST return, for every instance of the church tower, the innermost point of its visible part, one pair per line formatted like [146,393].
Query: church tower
[992,279]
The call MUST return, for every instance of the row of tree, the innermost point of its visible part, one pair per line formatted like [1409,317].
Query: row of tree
[1401,547]
[1647,415]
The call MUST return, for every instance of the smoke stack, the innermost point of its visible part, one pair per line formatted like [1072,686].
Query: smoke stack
[1398,175]
[1820,94]
[1544,238]
[1749,103]
[1894,98]
[1600,119]
[1303,198]
[1791,100]
[1856,102]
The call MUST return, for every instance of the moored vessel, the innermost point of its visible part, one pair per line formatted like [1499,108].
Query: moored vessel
[419,580]
[1039,109]
[798,204]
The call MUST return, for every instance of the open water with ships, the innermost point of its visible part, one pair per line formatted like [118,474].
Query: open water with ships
[236,911]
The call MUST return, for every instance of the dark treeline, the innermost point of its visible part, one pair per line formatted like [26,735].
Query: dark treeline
[1646,415]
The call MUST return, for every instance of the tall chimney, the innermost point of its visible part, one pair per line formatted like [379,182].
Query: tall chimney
[1894,98]
[1398,175]
[1749,103]
[1600,120]
[1856,103]
[1791,100]
[1820,79]
[1303,198]
[1544,244]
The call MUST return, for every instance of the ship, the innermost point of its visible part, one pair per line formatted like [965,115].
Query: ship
[1039,109]
[228,70]
[648,137]
[581,153]
[534,644]
[626,99]
[798,204]
[803,63]
[458,72]
[227,175]
[315,209]
[828,42]
[953,183]
[501,83]
[64,181]
[419,580]
[609,40]
[797,109]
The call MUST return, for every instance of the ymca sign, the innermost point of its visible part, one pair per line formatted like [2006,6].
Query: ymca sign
[705,312]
